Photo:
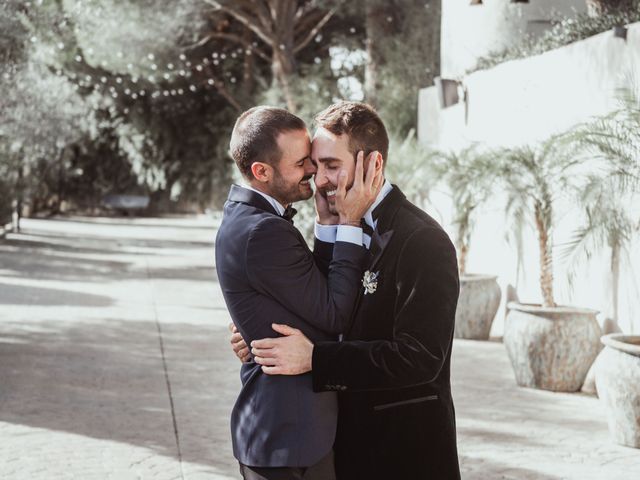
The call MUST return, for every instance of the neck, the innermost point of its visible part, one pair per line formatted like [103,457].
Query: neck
[264,188]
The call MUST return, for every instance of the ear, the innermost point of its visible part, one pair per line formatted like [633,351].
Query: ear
[379,161]
[261,171]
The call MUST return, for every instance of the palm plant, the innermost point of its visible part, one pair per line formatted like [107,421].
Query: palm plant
[412,167]
[607,223]
[614,139]
[534,177]
[469,175]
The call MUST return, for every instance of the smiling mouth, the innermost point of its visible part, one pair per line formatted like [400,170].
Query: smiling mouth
[331,194]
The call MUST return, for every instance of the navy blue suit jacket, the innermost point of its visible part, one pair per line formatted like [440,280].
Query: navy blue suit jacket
[268,274]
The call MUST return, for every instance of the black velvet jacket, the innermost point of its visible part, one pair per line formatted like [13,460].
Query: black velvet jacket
[396,415]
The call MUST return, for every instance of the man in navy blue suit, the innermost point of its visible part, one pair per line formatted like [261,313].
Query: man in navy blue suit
[281,429]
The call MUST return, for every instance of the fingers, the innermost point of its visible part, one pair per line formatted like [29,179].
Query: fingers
[232,327]
[264,343]
[359,178]
[285,329]
[371,171]
[341,191]
[273,370]
[243,354]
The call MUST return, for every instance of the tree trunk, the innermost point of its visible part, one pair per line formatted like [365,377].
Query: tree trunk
[462,242]
[283,66]
[546,258]
[611,323]
[377,26]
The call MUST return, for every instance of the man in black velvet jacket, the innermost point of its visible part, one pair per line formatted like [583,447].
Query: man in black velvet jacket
[392,368]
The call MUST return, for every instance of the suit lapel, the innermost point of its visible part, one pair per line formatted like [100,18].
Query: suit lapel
[385,214]
[379,242]
[240,194]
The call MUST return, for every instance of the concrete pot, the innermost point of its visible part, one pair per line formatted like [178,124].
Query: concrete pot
[551,348]
[618,384]
[477,306]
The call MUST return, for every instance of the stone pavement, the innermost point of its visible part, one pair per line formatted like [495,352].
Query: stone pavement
[114,364]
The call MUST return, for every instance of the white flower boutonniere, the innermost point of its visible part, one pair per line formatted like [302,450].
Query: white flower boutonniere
[370,281]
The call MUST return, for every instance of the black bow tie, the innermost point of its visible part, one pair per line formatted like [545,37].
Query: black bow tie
[366,228]
[289,213]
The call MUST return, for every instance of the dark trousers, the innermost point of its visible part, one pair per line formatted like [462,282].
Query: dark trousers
[323,470]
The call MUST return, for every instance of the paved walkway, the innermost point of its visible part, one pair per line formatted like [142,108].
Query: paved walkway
[114,364]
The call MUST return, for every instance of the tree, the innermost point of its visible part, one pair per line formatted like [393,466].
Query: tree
[608,198]
[469,175]
[533,177]
[600,7]
[283,27]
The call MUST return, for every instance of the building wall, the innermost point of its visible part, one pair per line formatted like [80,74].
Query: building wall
[472,31]
[522,102]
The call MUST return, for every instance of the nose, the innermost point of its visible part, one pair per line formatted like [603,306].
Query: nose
[310,168]
[320,178]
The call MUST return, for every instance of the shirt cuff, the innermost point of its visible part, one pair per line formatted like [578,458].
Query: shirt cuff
[349,234]
[326,233]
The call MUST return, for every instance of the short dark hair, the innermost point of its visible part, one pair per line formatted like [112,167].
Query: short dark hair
[360,122]
[255,136]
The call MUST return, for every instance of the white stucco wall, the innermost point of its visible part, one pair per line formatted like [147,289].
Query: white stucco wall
[472,31]
[521,102]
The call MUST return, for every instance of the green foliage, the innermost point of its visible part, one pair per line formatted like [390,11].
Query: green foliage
[411,61]
[469,176]
[608,197]
[534,177]
[412,167]
[564,32]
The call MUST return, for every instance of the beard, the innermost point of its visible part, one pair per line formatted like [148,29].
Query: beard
[286,191]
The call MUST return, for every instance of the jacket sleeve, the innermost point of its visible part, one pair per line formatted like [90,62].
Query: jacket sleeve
[426,288]
[280,265]
[323,252]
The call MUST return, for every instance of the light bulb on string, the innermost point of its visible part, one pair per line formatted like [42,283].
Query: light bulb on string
[192,88]
[170,66]
[151,56]
[183,57]
[154,66]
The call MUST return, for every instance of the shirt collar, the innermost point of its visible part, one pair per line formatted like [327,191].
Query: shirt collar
[274,203]
[384,191]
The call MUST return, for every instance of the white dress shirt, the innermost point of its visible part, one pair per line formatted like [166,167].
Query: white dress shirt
[341,233]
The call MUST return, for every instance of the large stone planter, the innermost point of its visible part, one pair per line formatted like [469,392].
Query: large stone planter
[477,306]
[551,348]
[618,384]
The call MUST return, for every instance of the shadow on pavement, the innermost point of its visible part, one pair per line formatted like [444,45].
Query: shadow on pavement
[29,295]
[106,381]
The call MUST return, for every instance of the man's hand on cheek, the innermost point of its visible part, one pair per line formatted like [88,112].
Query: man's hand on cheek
[287,355]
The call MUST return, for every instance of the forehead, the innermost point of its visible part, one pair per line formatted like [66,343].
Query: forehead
[329,145]
[294,141]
